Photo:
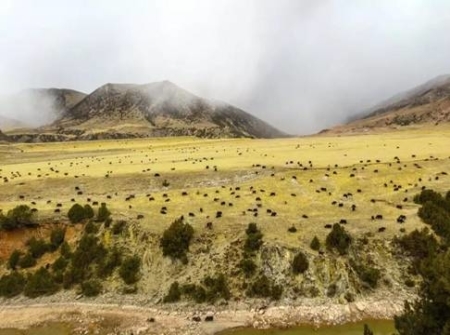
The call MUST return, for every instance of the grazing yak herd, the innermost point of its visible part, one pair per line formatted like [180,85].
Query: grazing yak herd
[287,186]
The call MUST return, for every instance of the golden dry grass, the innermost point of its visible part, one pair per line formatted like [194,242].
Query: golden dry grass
[43,172]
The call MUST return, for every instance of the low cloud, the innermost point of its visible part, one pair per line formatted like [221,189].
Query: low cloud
[300,65]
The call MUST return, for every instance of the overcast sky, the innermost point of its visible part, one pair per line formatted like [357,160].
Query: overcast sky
[301,65]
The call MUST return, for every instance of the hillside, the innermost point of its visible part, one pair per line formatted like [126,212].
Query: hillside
[3,137]
[425,104]
[156,109]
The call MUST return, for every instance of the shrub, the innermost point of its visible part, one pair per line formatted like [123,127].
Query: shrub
[106,267]
[216,288]
[91,288]
[338,239]
[254,238]
[91,228]
[262,287]
[176,239]
[18,217]
[36,247]
[108,222]
[209,290]
[89,251]
[300,263]
[174,293]
[432,197]
[65,250]
[165,183]
[57,238]
[418,244]
[366,273]
[76,213]
[103,213]
[118,227]
[60,264]
[409,282]
[437,217]
[69,278]
[292,229]
[58,277]
[27,261]
[367,330]
[88,211]
[129,270]
[12,284]
[40,283]
[247,266]
[14,259]
[315,244]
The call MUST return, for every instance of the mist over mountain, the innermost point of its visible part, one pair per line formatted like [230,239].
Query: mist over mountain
[300,65]
[130,110]
[428,103]
[36,107]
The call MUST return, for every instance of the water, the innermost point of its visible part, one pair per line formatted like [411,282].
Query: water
[50,329]
[379,327]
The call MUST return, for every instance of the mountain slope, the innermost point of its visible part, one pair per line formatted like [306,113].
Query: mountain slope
[3,137]
[36,107]
[424,104]
[156,109]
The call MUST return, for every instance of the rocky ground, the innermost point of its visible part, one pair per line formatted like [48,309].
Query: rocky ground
[133,314]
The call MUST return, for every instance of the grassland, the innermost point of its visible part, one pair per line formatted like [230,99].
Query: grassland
[118,169]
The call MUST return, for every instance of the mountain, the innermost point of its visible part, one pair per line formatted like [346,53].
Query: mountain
[425,104]
[156,109]
[36,107]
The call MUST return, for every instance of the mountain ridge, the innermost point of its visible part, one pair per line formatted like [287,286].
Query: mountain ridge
[428,103]
[37,106]
[155,109]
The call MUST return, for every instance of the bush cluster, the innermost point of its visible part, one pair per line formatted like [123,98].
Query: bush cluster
[254,238]
[366,273]
[247,266]
[430,314]
[176,239]
[129,269]
[40,283]
[263,287]
[338,239]
[419,244]
[118,227]
[300,263]
[91,288]
[315,244]
[12,284]
[76,214]
[103,213]
[19,217]
[209,290]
